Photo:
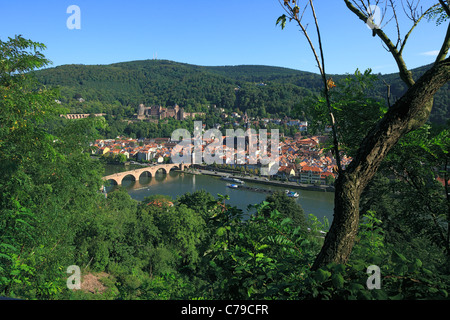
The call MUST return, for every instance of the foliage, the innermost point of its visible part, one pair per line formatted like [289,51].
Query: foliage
[437,13]
[279,201]
[400,278]
[49,184]
[256,259]
[355,112]
[115,88]
[264,257]
[409,195]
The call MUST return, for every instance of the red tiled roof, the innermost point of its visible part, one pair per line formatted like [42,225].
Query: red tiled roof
[309,168]
[442,181]
[160,203]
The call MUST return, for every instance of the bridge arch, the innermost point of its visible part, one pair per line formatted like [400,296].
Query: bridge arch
[174,167]
[130,174]
[112,181]
[145,173]
[118,178]
[161,169]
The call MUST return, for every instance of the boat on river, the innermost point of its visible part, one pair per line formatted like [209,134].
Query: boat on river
[292,194]
[233,186]
[228,178]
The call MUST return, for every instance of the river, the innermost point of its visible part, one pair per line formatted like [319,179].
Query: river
[320,204]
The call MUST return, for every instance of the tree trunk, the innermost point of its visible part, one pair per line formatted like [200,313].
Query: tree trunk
[408,113]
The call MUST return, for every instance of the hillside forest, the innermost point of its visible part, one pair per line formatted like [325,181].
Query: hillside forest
[261,91]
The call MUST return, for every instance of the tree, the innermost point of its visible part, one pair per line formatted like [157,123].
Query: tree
[183,229]
[419,165]
[200,201]
[49,183]
[406,114]
[287,207]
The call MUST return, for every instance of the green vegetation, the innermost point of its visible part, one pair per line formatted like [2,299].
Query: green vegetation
[197,246]
[120,88]
[49,184]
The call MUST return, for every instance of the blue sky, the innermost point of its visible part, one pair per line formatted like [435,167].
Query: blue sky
[213,32]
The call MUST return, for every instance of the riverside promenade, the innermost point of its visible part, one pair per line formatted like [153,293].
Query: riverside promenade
[262,180]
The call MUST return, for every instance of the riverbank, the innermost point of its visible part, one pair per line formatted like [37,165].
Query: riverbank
[262,180]
[177,183]
[247,178]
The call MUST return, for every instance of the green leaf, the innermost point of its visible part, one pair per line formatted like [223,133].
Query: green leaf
[262,247]
[221,231]
[339,268]
[401,269]
[359,266]
[338,280]
[415,266]
[286,221]
[4,256]
[8,246]
[427,272]
[364,295]
[398,257]
[380,294]
[282,19]
[355,287]
[322,275]
[396,297]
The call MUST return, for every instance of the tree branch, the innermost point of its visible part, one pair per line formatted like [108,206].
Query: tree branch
[445,46]
[416,22]
[445,6]
[293,15]
[327,96]
[405,74]
[410,111]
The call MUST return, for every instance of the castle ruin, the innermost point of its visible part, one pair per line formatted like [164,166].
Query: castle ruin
[159,112]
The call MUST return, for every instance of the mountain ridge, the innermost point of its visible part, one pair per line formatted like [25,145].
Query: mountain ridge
[257,89]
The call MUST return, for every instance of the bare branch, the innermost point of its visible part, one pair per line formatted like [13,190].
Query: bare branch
[396,23]
[303,13]
[284,5]
[333,122]
[416,22]
[388,93]
[383,16]
[412,8]
[293,14]
[405,74]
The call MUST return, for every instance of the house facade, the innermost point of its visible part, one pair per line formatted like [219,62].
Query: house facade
[310,175]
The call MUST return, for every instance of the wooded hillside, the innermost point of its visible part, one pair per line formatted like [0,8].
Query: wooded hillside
[259,90]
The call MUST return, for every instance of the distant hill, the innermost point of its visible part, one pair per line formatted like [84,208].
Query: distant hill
[259,90]
[441,108]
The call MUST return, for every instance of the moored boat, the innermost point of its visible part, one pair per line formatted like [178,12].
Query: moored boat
[228,178]
[292,194]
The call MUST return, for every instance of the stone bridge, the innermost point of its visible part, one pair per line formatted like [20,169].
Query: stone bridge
[150,170]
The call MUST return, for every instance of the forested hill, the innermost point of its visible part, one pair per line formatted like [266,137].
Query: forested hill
[259,90]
